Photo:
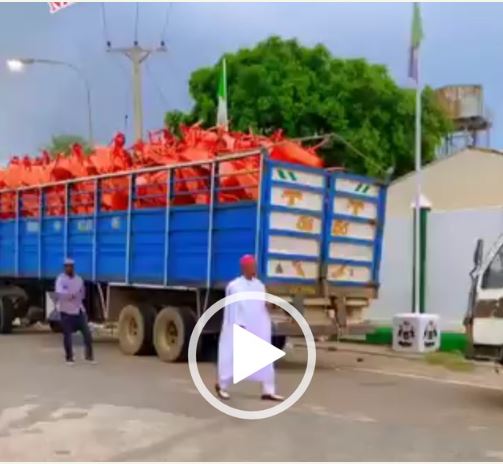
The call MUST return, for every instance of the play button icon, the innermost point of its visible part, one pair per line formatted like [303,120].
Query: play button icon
[250,354]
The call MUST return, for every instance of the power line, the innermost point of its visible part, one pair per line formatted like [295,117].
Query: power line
[127,93]
[136,23]
[166,23]
[157,85]
[105,25]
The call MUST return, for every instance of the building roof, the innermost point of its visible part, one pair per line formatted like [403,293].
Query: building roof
[448,158]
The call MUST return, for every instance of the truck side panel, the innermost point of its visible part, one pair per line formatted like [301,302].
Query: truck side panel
[106,254]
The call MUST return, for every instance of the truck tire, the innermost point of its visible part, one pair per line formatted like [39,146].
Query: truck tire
[19,299]
[7,315]
[172,329]
[136,322]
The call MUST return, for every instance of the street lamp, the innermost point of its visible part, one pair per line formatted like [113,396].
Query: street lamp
[18,65]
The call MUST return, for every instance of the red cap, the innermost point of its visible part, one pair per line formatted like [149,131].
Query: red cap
[247,259]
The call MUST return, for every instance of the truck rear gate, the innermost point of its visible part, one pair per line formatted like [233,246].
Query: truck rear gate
[354,227]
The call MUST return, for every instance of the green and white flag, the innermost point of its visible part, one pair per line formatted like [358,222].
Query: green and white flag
[222,119]
[415,43]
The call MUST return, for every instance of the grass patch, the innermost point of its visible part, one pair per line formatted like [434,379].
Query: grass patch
[453,361]
[449,341]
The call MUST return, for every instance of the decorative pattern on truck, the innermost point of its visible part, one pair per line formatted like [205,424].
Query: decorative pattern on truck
[292,269]
[32,227]
[358,187]
[353,230]
[342,228]
[298,177]
[295,224]
[354,207]
[296,198]
[349,273]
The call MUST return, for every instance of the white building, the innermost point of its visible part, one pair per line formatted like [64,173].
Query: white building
[466,193]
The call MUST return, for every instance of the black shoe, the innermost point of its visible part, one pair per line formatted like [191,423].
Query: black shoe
[276,398]
[222,394]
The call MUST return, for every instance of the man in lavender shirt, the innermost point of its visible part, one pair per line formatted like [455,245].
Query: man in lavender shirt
[70,293]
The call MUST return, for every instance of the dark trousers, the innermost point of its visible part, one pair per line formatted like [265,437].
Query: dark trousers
[71,323]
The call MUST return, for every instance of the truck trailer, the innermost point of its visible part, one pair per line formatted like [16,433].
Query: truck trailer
[152,270]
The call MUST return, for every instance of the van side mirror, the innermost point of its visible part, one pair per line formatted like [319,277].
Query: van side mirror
[479,252]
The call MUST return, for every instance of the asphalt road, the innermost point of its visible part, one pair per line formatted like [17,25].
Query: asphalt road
[139,409]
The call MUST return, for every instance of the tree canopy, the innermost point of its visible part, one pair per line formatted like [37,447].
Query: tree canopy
[280,84]
[63,144]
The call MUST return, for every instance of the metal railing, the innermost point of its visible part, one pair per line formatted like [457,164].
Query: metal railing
[191,183]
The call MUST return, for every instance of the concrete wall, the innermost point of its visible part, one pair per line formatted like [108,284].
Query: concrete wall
[452,236]
[467,180]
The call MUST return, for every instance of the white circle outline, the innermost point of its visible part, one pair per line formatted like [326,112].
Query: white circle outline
[265,413]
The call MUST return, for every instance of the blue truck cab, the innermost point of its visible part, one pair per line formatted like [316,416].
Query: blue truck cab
[316,234]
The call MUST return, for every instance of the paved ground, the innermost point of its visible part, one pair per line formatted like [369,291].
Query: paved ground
[359,407]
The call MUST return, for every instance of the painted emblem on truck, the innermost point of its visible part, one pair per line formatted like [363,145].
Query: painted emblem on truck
[305,223]
[292,197]
[362,188]
[287,175]
[340,228]
[297,265]
[341,271]
[115,223]
[355,206]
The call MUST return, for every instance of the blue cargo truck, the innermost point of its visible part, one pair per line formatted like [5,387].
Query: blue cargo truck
[151,271]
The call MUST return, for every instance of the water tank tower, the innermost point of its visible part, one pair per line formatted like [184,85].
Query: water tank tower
[464,105]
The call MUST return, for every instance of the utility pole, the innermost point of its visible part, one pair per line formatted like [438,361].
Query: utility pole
[137,55]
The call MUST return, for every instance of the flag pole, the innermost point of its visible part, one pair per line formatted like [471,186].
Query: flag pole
[414,66]
[417,208]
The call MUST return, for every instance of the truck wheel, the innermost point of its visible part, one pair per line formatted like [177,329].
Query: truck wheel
[135,329]
[279,341]
[6,315]
[19,300]
[172,330]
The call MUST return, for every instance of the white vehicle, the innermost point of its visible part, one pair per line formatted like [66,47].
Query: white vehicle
[484,318]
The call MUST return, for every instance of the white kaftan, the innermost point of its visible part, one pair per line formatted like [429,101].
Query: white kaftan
[252,316]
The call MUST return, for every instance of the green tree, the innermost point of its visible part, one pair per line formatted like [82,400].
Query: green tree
[305,91]
[63,144]
[173,120]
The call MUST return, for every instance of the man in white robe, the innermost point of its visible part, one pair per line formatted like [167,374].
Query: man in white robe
[252,316]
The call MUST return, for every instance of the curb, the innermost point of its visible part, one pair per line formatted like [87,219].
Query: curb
[350,349]
[390,354]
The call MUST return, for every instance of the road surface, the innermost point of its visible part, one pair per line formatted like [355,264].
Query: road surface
[357,408]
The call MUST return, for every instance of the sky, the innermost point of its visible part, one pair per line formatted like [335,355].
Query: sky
[463,45]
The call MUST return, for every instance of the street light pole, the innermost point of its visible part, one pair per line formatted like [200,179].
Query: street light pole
[17,65]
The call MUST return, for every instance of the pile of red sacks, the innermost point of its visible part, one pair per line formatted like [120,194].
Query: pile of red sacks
[235,180]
